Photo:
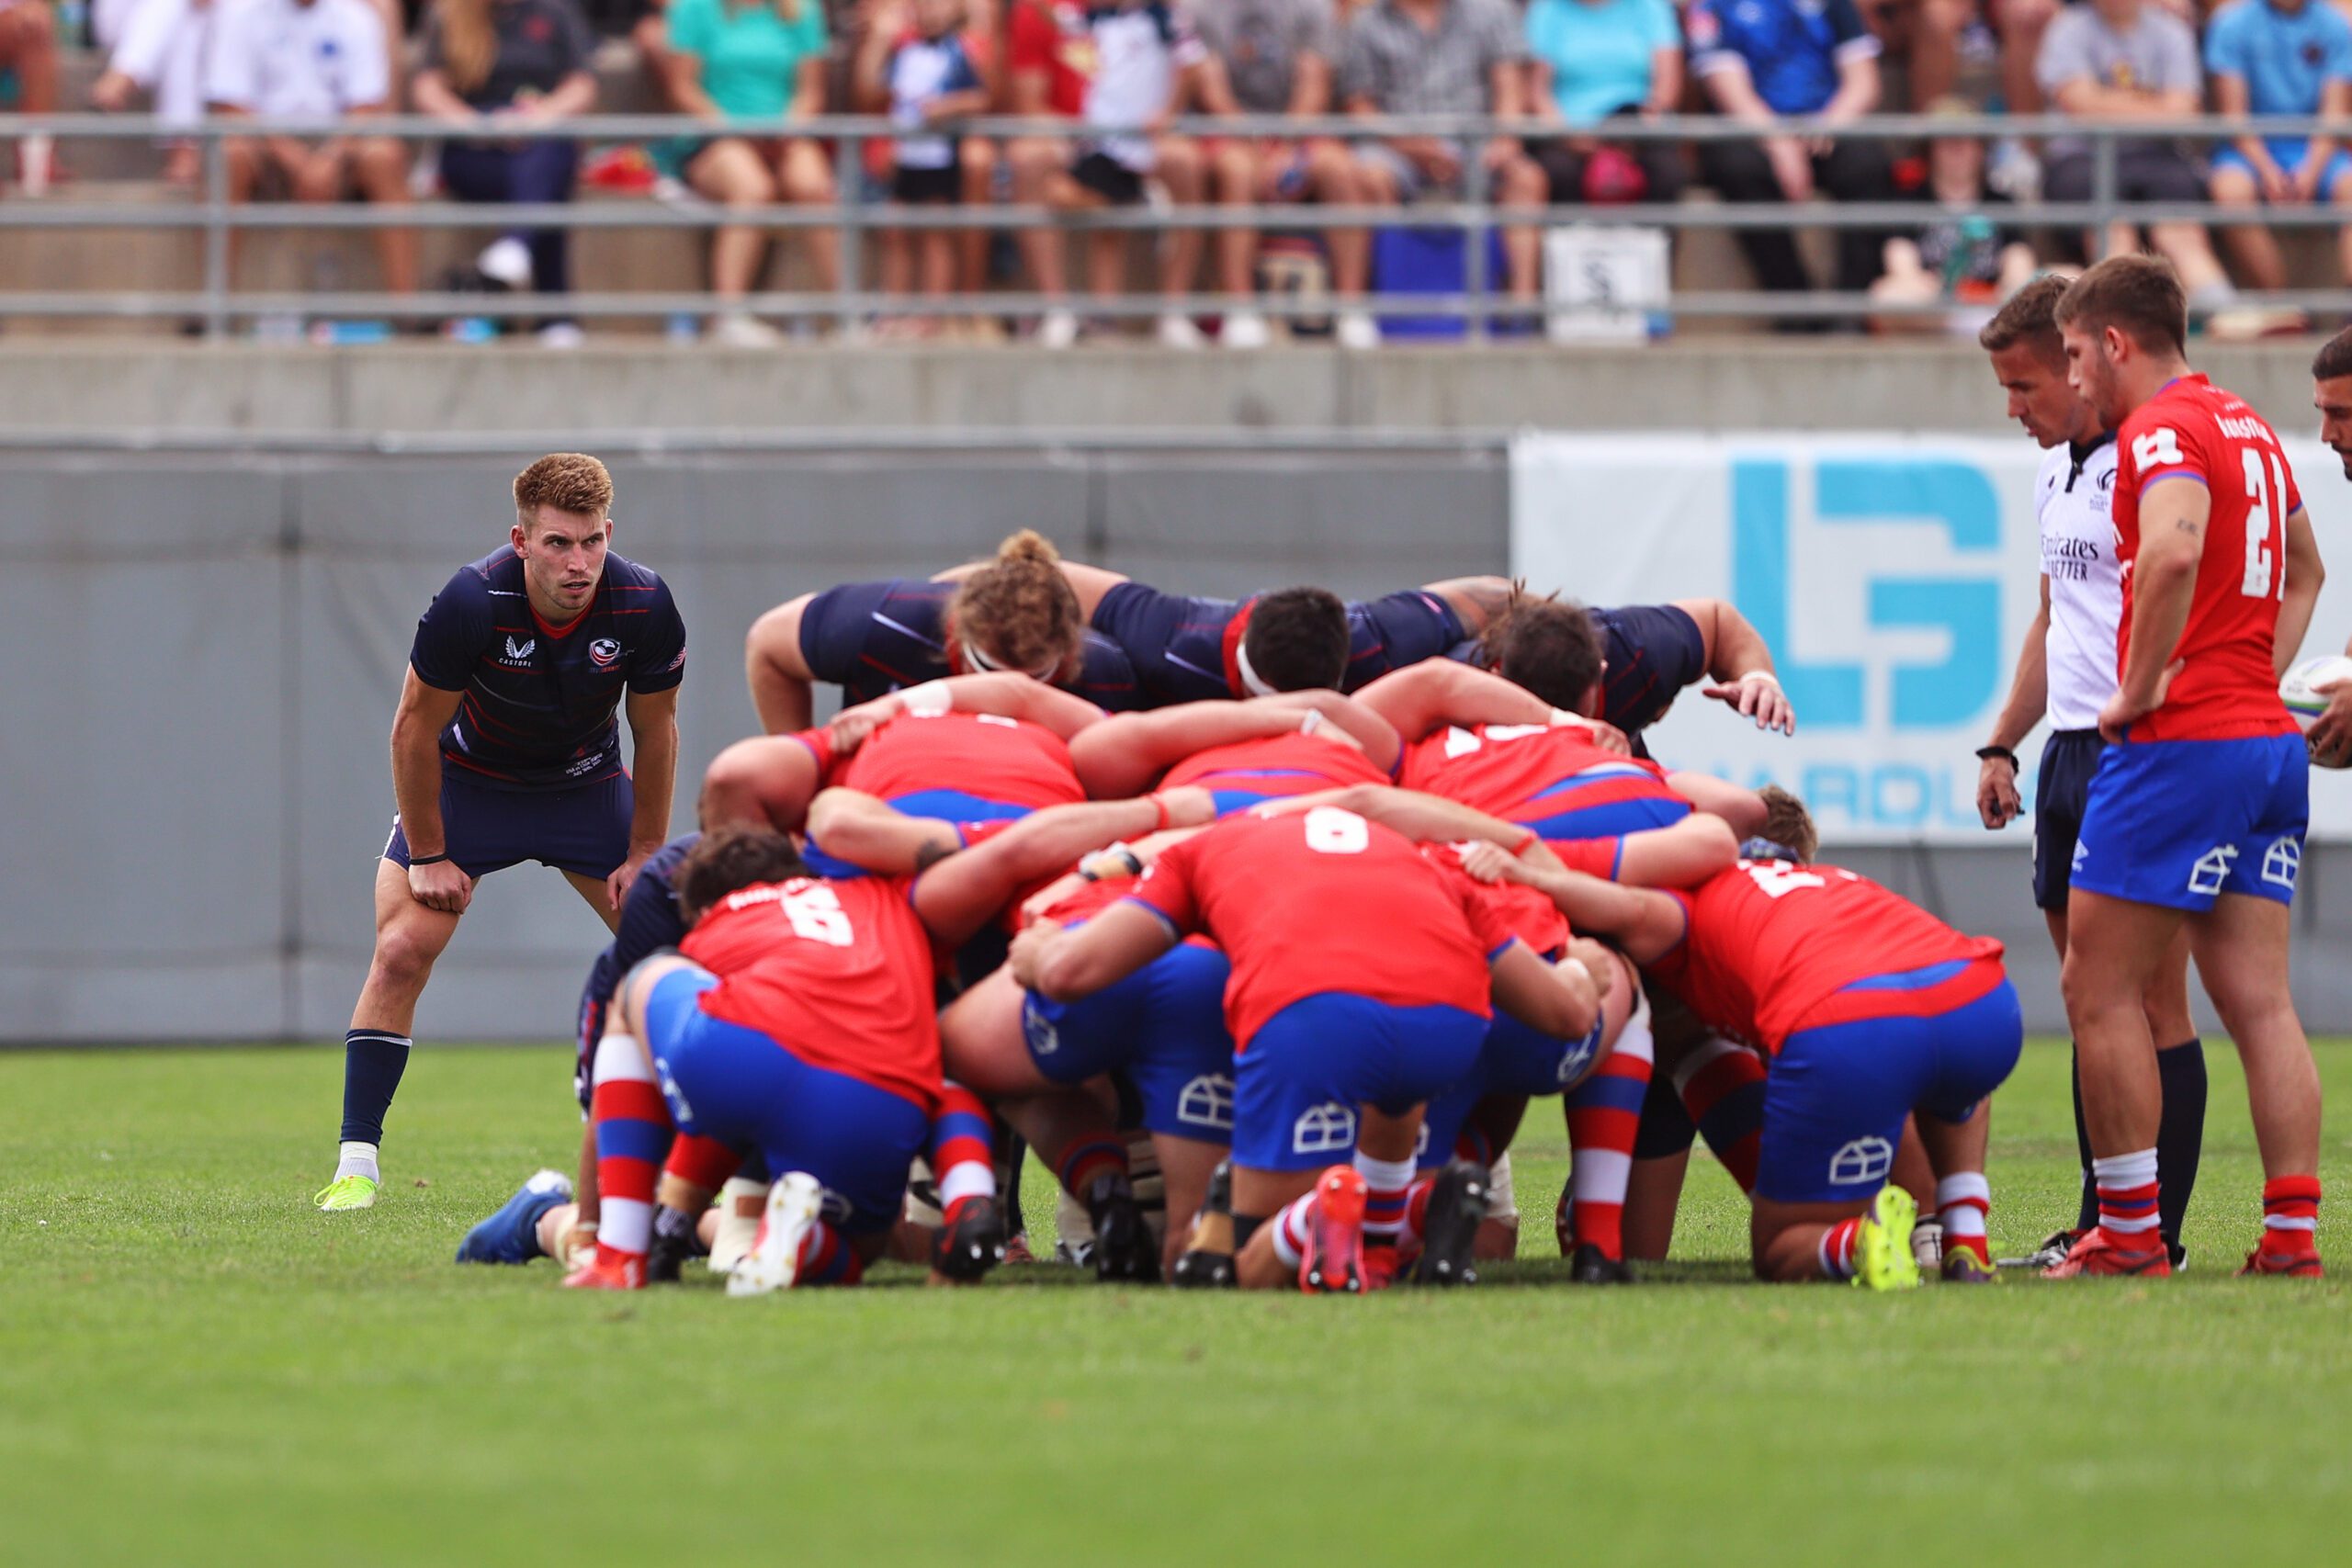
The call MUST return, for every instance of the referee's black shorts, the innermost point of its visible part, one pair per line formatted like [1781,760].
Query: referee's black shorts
[2068,760]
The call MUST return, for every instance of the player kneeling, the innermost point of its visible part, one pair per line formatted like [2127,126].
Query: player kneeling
[1361,977]
[1868,1010]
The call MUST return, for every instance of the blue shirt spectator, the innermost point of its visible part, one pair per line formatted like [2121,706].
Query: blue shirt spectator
[1602,54]
[1791,49]
[2286,55]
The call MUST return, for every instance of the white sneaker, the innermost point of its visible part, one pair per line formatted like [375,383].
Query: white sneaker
[1356,330]
[1178,331]
[562,334]
[505,260]
[1244,328]
[739,329]
[736,1234]
[795,1205]
[1057,329]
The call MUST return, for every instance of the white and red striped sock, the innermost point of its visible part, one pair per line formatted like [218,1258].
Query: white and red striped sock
[1961,1203]
[2127,1196]
[1388,1186]
[1293,1228]
[1837,1251]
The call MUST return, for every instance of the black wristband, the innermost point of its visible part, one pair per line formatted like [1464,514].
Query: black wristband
[1987,753]
[416,860]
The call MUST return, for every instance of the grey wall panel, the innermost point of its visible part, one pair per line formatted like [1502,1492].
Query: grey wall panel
[1218,524]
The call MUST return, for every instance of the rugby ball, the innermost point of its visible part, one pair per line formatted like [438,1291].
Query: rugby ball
[2303,690]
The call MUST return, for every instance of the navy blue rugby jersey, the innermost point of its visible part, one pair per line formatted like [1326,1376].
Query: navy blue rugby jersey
[870,639]
[1187,649]
[540,701]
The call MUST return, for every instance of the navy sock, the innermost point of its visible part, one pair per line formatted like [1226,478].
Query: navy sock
[2088,1215]
[373,1061]
[2180,1135]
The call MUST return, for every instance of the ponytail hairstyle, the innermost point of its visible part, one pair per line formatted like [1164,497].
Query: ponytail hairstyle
[1018,611]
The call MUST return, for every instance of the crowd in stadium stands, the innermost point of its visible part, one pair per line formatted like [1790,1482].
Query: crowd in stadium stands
[1568,69]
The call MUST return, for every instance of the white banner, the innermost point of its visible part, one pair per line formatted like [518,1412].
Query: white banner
[1893,577]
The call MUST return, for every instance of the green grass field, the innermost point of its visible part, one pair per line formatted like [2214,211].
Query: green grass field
[196,1367]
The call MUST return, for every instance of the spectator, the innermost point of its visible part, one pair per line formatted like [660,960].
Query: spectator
[493,64]
[915,64]
[1927,37]
[29,47]
[1126,64]
[1967,254]
[752,60]
[1763,61]
[320,60]
[160,49]
[1455,57]
[1277,57]
[1601,60]
[2124,61]
[2280,57]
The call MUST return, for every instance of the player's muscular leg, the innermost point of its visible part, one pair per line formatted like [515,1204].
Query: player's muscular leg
[599,897]
[409,939]
[981,1041]
[1955,1148]
[2240,946]
[1185,1166]
[1785,1239]
[2167,1001]
[2113,950]
[1261,1195]
[1652,1197]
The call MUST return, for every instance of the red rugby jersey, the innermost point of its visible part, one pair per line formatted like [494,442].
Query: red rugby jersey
[1323,900]
[1009,761]
[2194,429]
[1518,771]
[837,972]
[1290,763]
[1768,948]
[1526,914]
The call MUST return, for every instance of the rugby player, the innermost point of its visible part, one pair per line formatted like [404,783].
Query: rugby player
[1361,973]
[2065,670]
[505,749]
[1243,752]
[1869,1010]
[796,1019]
[2330,738]
[1024,610]
[2198,812]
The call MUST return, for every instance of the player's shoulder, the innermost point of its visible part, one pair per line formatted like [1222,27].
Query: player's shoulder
[620,571]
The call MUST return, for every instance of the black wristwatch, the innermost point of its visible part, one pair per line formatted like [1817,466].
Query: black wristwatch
[1987,753]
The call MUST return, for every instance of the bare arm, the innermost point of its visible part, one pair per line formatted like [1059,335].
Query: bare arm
[766,782]
[1423,698]
[1477,600]
[780,678]
[432,94]
[424,711]
[1126,752]
[1424,818]
[1066,964]
[1739,661]
[962,893]
[2300,595]
[1743,809]
[1666,82]
[1004,693]
[1643,922]
[864,830]
[1562,1000]
[1682,855]
[2173,514]
[576,93]
[1858,89]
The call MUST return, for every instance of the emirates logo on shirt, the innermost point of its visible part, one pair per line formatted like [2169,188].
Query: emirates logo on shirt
[603,651]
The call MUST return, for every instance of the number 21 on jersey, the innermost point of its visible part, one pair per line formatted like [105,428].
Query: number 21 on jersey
[2266,494]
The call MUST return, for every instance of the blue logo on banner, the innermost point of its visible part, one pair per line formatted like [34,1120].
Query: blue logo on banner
[1933,492]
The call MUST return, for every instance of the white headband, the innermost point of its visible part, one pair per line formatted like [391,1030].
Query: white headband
[974,657]
[1250,683]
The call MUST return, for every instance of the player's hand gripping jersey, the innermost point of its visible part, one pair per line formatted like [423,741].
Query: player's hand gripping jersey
[838,974]
[1769,947]
[540,703]
[1548,777]
[2193,430]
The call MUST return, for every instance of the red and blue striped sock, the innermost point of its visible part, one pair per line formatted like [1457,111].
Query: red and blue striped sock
[826,1258]
[1604,1115]
[2127,1198]
[1387,1184]
[1722,1086]
[963,1155]
[2291,1214]
[1837,1250]
[1961,1203]
[633,1134]
[1088,1161]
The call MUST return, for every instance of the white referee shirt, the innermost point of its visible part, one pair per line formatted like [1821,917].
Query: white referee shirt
[2075,499]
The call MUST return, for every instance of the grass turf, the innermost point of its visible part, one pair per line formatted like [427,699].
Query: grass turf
[195,1366]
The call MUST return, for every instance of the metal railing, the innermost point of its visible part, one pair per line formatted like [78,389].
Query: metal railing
[217,305]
